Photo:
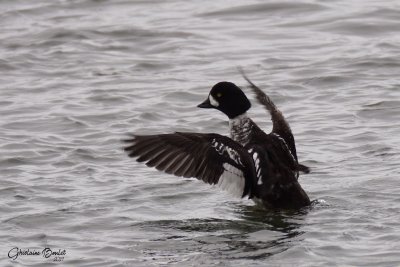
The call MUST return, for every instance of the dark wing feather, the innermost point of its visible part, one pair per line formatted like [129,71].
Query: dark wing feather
[279,124]
[213,158]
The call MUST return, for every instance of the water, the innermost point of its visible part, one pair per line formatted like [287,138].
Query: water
[76,76]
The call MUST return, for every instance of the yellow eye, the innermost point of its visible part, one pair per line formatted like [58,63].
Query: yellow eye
[219,94]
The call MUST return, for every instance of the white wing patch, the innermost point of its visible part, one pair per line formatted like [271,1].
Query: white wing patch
[234,156]
[232,180]
[256,160]
[221,149]
[257,166]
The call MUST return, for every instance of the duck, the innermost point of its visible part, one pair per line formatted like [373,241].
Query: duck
[249,163]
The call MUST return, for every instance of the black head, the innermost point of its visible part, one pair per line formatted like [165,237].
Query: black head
[228,98]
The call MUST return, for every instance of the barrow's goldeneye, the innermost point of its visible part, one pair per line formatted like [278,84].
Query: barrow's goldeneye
[263,167]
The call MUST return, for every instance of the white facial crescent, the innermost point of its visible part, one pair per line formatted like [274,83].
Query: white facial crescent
[213,101]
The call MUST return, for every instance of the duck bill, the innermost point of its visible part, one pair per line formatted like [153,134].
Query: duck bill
[205,104]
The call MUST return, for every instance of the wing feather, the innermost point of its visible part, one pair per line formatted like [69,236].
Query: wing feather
[280,126]
[193,155]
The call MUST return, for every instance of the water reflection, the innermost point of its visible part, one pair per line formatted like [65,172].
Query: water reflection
[284,221]
[256,233]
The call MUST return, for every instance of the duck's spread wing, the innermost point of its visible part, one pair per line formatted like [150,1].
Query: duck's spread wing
[280,125]
[213,158]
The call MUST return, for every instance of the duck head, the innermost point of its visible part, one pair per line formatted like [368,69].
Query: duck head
[227,98]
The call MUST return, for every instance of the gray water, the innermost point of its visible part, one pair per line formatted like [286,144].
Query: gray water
[77,76]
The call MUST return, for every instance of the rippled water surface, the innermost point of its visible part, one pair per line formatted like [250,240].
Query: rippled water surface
[76,76]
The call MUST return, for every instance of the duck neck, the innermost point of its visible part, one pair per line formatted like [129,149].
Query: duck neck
[240,128]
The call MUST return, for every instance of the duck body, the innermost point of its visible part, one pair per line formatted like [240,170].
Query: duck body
[275,165]
[252,163]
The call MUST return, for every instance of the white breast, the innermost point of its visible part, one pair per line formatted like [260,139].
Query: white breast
[232,180]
